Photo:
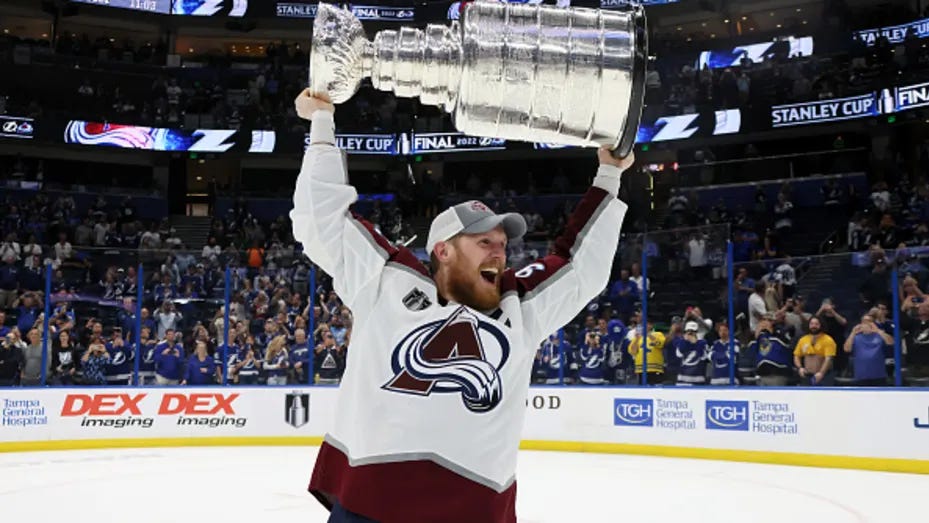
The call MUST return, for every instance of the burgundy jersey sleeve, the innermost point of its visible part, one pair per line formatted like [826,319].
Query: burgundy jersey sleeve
[554,288]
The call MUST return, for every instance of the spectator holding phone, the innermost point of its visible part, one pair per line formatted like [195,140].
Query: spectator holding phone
[692,352]
[247,363]
[592,359]
[916,324]
[866,345]
[118,371]
[94,362]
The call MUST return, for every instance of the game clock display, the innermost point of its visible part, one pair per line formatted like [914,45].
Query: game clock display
[151,6]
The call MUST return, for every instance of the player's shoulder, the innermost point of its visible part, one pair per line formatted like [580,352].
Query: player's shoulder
[404,258]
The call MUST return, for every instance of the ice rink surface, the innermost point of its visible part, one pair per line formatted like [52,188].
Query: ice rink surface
[268,484]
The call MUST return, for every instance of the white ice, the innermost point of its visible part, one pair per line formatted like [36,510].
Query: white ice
[248,485]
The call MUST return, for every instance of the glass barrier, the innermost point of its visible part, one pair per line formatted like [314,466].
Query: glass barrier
[128,317]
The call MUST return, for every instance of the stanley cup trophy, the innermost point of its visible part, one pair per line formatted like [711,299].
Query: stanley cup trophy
[540,73]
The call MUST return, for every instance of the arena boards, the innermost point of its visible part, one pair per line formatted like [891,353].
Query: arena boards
[869,429]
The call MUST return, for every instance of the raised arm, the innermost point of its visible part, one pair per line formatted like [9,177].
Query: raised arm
[555,288]
[339,242]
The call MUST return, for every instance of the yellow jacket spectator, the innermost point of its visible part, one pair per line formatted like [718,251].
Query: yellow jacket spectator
[655,358]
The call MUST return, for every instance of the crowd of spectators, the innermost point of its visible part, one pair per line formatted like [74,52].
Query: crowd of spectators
[282,330]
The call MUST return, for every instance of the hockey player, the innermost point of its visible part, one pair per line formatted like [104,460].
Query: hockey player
[434,397]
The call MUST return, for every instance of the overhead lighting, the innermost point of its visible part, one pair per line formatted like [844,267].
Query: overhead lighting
[771,13]
[679,28]
[190,50]
[726,20]
[712,35]
[804,22]
[779,26]
[44,35]
[799,9]
[703,24]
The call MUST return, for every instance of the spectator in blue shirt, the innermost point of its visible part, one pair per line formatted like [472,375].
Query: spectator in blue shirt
[201,368]
[169,360]
[866,345]
[624,295]
[28,305]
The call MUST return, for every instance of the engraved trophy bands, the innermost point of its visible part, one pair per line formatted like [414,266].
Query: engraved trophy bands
[539,73]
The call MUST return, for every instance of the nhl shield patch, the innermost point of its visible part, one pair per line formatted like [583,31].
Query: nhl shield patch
[297,409]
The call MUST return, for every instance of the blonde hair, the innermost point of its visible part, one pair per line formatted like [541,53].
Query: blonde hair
[276,345]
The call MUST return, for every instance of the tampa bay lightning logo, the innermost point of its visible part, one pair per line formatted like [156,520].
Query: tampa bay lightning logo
[459,355]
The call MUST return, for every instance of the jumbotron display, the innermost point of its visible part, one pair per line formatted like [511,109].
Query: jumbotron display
[150,6]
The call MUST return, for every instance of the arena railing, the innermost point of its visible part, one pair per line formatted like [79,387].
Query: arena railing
[118,293]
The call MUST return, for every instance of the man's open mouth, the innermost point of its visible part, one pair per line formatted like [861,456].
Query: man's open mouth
[489,275]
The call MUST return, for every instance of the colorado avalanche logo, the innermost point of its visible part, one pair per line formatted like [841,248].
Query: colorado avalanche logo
[450,356]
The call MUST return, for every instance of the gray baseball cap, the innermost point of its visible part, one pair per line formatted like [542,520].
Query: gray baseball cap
[472,217]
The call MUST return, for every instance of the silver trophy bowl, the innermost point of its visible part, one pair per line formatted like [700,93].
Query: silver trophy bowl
[539,73]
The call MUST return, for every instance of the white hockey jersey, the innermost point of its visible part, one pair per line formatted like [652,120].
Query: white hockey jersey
[433,397]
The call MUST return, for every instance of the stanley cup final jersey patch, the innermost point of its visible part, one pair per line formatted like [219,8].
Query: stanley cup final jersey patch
[416,300]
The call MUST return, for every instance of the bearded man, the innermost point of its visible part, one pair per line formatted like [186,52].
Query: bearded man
[433,397]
